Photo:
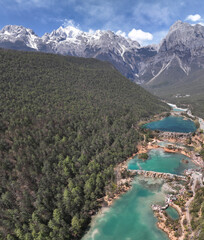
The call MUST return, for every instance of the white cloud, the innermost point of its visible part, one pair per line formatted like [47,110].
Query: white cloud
[193,18]
[153,13]
[139,35]
[121,33]
[201,23]
[33,3]
[91,31]
[68,22]
[100,10]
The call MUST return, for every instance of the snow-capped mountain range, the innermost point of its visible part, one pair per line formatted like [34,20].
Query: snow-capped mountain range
[182,48]
[122,52]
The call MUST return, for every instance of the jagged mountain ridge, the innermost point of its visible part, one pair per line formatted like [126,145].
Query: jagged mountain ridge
[122,52]
[183,47]
[172,70]
[183,44]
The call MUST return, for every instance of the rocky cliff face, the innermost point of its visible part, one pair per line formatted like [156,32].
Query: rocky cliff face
[183,39]
[183,48]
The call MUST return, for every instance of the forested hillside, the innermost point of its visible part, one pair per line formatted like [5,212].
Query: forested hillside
[197,214]
[64,123]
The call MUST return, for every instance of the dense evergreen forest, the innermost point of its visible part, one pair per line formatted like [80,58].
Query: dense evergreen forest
[65,122]
[197,214]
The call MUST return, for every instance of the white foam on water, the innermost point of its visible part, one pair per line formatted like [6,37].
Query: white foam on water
[158,151]
[177,108]
[94,233]
[172,105]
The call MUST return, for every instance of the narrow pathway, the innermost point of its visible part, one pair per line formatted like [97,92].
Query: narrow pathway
[197,178]
[201,121]
[188,218]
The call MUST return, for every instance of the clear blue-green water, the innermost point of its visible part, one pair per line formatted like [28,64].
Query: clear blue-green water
[178,110]
[160,161]
[131,216]
[172,213]
[172,124]
[166,143]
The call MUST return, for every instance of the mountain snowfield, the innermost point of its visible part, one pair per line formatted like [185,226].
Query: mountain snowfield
[67,37]
[176,63]
[122,52]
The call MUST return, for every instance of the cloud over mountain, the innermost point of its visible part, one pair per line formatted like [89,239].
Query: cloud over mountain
[139,35]
[194,18]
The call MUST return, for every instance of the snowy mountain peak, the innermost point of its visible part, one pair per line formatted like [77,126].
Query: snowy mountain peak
[13,33]
[69,32]
[99,39]
[16,30]
[183,44]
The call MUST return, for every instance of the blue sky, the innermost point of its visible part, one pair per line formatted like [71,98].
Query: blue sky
[144,20]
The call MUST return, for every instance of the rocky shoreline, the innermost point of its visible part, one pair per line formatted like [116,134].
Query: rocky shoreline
[179,229]
[123,183]
[161,225]
[124,177]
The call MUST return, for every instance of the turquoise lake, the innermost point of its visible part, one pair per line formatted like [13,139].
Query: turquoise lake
[172,213]
[160,161]
[172,124]
[178,110]
[131,216]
